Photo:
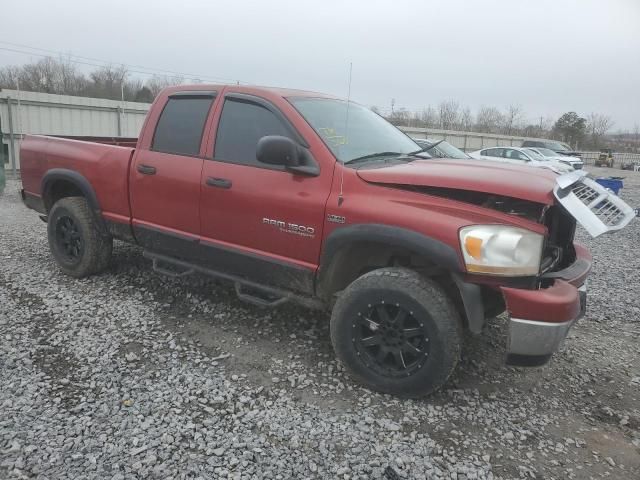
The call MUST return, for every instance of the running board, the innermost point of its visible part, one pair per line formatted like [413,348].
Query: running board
[258,300]
[261,295]
[166,271]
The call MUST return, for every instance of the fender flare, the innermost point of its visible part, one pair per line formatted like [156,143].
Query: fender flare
[436,251]
[79,181]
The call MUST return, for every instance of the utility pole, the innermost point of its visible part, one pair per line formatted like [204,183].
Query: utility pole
[393,104]
[121,116]
[541,120]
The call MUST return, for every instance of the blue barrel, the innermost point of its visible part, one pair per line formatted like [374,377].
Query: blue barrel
[612,183]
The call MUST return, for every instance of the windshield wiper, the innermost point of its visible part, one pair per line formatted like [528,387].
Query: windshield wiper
[426,149]
[374,155]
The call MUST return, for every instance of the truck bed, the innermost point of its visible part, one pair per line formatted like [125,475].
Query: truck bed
[102,162]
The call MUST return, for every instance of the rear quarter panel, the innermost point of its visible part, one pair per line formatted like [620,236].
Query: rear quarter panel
[106,168]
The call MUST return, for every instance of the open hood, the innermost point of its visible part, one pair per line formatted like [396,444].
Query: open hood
[533,184]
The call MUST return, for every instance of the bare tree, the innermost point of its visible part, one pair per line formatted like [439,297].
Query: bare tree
[158,82]
[46,75]
[60,76]
[429,117]
[546,125]
[8,77]
[108,81]
[70,81]
[400,117]
[448,113]
[636,138]
[488,120]
[512,118]
[598,125]
[466,119]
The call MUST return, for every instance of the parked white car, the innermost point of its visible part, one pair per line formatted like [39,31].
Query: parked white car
[520,156]
[440,148]
[575,162]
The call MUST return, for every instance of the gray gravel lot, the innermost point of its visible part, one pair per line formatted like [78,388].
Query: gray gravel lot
[132,375]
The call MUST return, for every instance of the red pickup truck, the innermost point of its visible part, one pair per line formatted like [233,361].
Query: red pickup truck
[299,196]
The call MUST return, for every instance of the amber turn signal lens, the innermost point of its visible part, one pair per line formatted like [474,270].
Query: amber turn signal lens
[473,245]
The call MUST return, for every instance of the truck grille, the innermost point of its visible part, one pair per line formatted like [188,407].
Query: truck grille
[584,193]
[597,209]
[604,208]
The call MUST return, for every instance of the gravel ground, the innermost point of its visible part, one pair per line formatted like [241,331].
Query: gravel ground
[132,375]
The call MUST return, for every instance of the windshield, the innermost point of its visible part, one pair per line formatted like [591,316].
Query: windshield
[546,152]
[366,133]
[558,146]
[533,154]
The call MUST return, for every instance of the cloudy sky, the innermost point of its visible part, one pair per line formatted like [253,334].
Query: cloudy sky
[549,56]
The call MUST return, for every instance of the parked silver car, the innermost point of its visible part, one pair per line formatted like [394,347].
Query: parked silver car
[575,162]
[520,156]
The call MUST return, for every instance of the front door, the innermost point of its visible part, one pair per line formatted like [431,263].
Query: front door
[165,177]
[260,220]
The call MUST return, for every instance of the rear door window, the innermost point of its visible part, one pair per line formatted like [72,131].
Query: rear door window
[493,152]
[181,123]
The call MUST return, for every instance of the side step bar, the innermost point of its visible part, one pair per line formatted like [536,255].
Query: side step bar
[248,291]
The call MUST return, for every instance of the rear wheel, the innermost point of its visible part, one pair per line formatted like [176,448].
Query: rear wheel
[75,241]
[397,332]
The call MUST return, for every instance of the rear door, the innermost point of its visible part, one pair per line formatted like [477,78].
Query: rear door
[494,154]
[260,220]
[165,177]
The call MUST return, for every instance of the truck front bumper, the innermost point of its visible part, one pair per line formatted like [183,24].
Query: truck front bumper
[531,343]
[539,320]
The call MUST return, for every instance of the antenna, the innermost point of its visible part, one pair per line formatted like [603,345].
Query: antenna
[346,131]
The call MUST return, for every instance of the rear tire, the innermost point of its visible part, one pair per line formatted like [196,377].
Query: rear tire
[397,332]
[76,243]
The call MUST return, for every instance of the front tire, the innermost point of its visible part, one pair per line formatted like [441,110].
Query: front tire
[76,243]
[397,332]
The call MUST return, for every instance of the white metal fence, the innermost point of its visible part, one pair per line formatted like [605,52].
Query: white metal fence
[470,141]
[467,141]
[23,113]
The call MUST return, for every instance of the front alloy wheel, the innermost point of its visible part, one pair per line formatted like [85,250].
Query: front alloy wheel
[396,332]
[390,339]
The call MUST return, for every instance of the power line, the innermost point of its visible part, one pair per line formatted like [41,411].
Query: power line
[103,63]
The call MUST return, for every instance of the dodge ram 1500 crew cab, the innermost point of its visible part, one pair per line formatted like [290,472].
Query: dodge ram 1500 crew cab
[299,196]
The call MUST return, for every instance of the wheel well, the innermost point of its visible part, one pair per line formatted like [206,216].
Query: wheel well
[358,258]
[61,189]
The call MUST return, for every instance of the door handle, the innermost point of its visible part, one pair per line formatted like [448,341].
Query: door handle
[146,170]
[218,182]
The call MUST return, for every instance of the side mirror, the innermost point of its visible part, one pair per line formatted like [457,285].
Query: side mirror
[279,150]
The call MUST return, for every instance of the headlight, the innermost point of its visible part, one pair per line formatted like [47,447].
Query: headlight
[501,250]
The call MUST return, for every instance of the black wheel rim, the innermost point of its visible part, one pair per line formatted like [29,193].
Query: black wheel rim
[390,339]
[68,238]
